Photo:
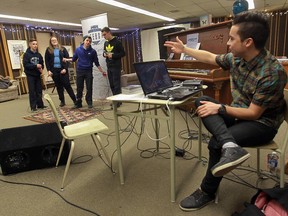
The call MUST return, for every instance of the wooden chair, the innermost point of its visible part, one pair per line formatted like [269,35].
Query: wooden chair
[73,131]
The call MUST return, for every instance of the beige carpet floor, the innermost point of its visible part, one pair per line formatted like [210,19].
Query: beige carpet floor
[91,188]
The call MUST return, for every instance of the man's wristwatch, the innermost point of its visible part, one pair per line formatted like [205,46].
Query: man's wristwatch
[222,109]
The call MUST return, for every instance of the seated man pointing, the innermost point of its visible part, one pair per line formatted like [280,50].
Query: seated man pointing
[257,109]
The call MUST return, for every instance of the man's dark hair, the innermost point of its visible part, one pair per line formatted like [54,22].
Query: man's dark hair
[105,29]
[86,36]
[253,25]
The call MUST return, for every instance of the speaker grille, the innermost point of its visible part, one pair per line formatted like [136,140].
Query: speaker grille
[31,147]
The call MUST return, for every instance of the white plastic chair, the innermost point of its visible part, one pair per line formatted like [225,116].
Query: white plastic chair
[73,131]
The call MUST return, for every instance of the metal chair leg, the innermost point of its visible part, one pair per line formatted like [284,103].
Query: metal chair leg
[60,151]
[217,195]
[258,163]
[282,170]
[68,163]
[102,148]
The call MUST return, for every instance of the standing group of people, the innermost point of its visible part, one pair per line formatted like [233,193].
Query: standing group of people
[57,63]
[257,84]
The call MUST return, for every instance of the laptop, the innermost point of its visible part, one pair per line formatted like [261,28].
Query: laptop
[157,84]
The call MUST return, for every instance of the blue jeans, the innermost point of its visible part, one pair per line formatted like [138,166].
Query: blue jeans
[225,129]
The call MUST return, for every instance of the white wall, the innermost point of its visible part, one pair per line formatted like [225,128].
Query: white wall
[150,44]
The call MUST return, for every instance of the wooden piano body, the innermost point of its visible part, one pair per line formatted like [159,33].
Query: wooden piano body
[217,80]
[213,38]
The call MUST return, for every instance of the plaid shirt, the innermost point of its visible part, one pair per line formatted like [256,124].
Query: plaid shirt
[260,81]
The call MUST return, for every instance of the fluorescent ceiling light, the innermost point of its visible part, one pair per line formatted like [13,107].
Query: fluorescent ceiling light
[43,21]
[251,4]
[135,9]
[38,20]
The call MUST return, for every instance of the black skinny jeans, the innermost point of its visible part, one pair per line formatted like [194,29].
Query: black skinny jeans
[87,77]
[114,76]
[35,91]
[225,129]
[62,81]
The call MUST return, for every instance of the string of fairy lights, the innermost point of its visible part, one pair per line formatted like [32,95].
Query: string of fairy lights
[71,34]
[15,29]
[49,29]
[281,13]
[136,36]
[7,28]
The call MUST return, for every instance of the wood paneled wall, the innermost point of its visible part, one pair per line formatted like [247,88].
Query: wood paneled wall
[132,45]
[21,32]
[277,43]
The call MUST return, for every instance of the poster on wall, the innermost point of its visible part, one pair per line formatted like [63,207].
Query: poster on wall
[92,26]
[16,48]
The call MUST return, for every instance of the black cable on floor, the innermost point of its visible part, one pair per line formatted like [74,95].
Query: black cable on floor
[50,189]
[249,170]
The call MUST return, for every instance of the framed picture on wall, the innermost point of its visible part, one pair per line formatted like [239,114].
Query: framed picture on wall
[16,48]
[69,50]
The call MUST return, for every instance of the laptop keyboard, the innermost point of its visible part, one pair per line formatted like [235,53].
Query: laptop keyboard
[176,91]
[171,91]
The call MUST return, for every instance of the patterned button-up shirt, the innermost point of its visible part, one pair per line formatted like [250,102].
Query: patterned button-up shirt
[260,81]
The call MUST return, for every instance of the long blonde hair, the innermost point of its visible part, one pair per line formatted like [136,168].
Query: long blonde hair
[51,47]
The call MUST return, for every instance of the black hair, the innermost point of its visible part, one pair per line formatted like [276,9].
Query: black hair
[255,25]
[87,36]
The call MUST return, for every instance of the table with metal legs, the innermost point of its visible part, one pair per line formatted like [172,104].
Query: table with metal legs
[153,105]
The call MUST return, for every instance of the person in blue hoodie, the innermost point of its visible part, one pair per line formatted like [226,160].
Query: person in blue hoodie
[33,67]
[86,56]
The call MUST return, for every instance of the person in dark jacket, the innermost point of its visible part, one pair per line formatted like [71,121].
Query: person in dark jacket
[33,67]
[113,52]
[58,69]
[86,56]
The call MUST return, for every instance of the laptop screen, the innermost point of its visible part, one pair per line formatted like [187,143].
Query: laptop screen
[153,76]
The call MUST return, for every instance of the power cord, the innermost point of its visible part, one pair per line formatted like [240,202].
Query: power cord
[75,160]
[52,190]
[132,124]
[142,115]
[249,170]
[160,151]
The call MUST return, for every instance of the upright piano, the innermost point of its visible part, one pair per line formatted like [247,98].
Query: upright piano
[217,80]
[212,38]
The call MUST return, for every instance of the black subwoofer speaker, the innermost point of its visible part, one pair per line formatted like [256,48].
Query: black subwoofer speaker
[31,147]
